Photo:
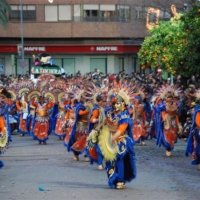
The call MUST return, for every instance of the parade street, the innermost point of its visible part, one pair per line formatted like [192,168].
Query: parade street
[37,172]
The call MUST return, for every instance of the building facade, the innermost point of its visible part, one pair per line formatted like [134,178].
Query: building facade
[79,34]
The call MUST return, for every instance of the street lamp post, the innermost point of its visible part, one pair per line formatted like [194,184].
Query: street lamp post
[22,30]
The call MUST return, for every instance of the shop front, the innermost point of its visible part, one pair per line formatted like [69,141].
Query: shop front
[106,58]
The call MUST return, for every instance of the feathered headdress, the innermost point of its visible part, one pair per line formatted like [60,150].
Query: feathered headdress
[93,91]
[126,91]
[168,90]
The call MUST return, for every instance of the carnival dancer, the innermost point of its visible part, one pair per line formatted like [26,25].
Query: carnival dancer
[193,143]
[95,123]
[117,145]
[41,124]
[169,127]
[158,107]
[140,124]
[77,124]
[59,118]
[23,109]
[32,97]
[4,123]
[13,117]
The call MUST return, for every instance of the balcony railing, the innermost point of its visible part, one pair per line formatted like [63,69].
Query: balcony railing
[101,19]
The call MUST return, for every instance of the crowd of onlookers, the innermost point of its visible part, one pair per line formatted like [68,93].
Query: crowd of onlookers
[151,80]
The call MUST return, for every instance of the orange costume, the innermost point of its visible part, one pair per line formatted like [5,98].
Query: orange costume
[140,126]
[171,125]
[22,108]
[60,119]
[77,129]
[41,124]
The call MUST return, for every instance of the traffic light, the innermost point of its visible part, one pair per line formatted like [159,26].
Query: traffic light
[15,61]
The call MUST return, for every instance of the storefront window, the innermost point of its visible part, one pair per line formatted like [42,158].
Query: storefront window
[2,65]
[121,64]
[69,65]
[57,61]
[134,64]
[99,63]
[22,70]
[137,66]
[29,13]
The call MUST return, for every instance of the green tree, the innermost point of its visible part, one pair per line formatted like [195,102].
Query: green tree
[4,8]
[174,45]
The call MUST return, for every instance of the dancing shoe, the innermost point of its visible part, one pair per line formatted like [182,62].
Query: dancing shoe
[100,167]
[120,185]
[143,143]
[168,153]
[76,157]
[86,159]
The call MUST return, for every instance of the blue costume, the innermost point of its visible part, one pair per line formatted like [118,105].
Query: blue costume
[94,150]
[123,168]
[193,144]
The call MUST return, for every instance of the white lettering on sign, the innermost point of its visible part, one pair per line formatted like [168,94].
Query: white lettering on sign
[34,49]
[106,48]
[45,70]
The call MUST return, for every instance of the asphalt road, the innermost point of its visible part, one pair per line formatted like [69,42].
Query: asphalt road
[39,172]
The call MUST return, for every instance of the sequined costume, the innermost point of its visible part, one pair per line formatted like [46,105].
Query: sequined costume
[123,168]
[140,125]
[4,123]
[77,128]
[116,140]
[41,124]
[170,126]
[60,119]
[94,151]
[23,109]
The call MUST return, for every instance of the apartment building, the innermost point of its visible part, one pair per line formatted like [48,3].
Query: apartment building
[79,34]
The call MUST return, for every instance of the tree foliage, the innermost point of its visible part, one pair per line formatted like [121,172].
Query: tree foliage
[174,46]
[4,8]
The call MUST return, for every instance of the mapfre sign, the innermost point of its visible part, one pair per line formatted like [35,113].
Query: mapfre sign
[34,49]
[107,48]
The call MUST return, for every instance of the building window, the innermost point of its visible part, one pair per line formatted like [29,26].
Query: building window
[91,12]
[140,12]
[54,13]
[77,13]
[101,13]
[123,12]
[108,13]
[29,13]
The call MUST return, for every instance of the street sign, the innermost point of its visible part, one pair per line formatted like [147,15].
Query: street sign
[19,49]
[1,68]
[22,64]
